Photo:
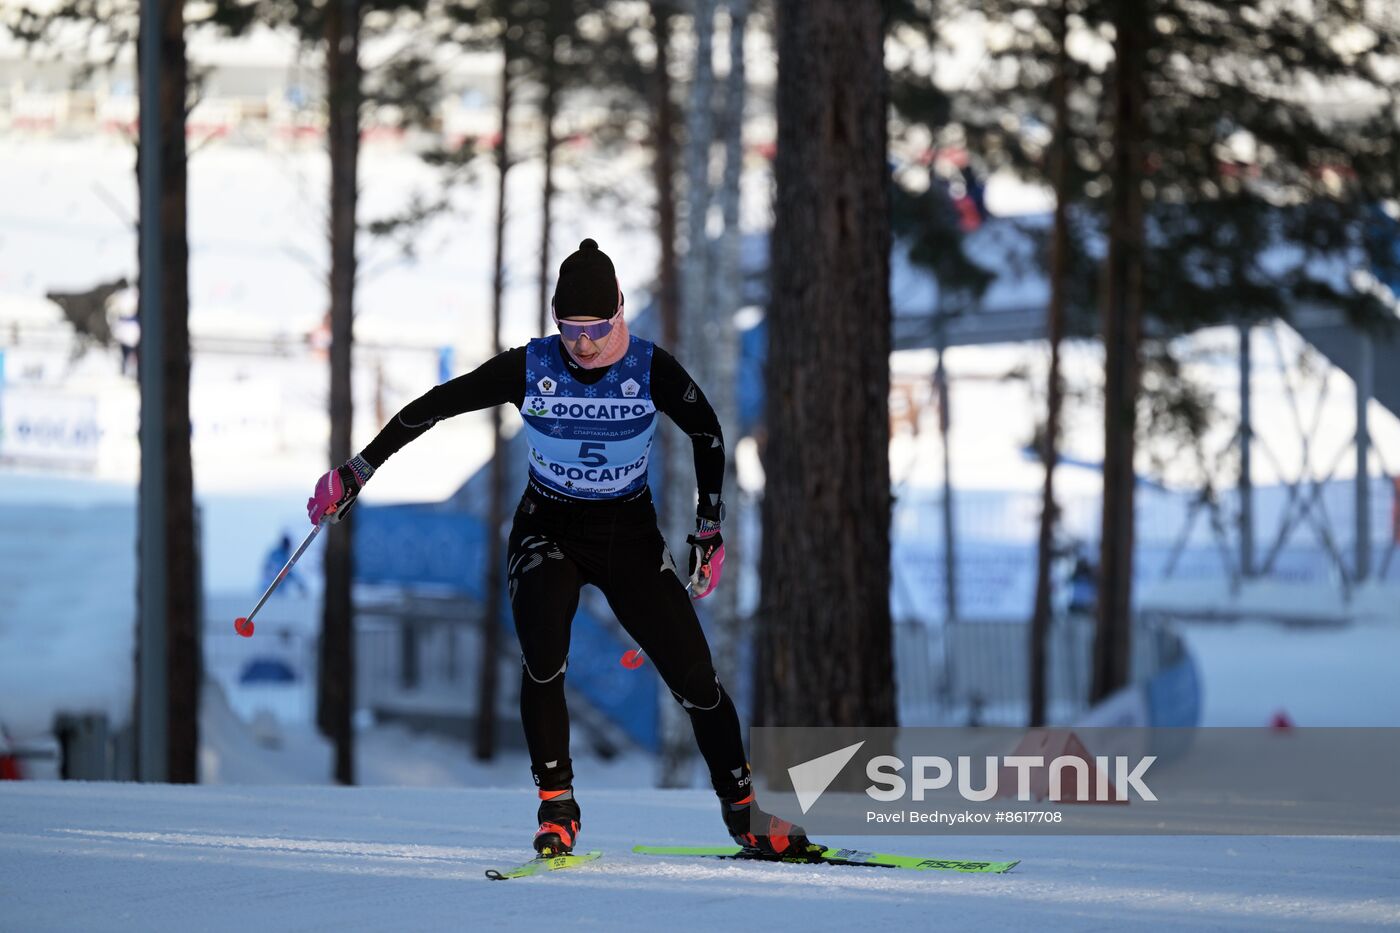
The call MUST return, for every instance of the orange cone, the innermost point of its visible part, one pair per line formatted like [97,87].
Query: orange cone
[1049,744]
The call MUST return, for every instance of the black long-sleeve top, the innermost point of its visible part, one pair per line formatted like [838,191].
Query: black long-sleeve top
[501,379]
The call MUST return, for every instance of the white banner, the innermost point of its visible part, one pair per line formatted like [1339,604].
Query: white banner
[46,428]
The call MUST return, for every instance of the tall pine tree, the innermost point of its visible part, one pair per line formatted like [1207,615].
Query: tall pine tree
[826,513]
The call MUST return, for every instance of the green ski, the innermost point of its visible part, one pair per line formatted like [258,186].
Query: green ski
[538,865]
[841,857]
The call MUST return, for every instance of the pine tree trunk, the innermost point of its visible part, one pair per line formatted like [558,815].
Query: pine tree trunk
[1055,325]
[697,312]
[663,141]
[184,615]
[335,709]
[826,528]
[728,297]
[549,106]
[1122,316]
[696,316]
[487,680]
[669,451]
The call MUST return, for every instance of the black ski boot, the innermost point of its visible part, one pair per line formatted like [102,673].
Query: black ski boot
[761,834]
[559,823]
[558,813]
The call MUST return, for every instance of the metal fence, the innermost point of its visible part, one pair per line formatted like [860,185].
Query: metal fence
[417,663]
[978,673]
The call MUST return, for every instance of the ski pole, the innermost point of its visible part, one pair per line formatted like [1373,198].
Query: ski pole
[243,625]
[633,658]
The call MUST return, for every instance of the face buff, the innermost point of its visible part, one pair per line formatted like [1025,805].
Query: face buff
[614,347]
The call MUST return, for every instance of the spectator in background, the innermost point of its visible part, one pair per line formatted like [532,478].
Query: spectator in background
[126,330]
[274,562]
[1083,585]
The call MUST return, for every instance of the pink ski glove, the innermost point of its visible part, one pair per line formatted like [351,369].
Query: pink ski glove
[706,559]
[337,490]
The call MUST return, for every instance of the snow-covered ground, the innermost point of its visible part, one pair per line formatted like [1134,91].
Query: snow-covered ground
[160,858]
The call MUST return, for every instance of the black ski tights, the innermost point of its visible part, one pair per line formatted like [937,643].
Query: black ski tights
[555,549]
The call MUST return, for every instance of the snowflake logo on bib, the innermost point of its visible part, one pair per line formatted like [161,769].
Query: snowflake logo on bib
[630,388]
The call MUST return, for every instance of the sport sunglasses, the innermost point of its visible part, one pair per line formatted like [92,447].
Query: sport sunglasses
[595,331]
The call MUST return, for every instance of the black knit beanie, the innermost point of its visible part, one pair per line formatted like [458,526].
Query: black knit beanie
[587,285]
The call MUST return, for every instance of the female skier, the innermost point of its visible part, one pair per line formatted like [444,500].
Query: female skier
[589,399]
